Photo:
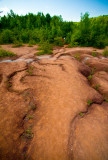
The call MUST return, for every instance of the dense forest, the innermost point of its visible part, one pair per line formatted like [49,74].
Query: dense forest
[42,28]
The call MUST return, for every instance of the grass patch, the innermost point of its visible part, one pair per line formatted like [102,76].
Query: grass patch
[81,114]
[92,72]
[33,107]
[30,45]
[96,87]
[89,77]
[9,84]
[31,67]
[105,52]
[44,52]
[29,117]
[89,102]
[26,93]
[94,54]
[5,53]
[30,72]
[106,100]
[17,44]
[77,56]
[28,133]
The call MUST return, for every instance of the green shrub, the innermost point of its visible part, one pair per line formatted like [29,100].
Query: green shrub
[105,52]
[45,48]
[74,39]
[73,44]
[6,37]
[30,45]
[4,53]
[58,41]
[17,44]
[44,52]
[100,42]
[24,35]
[33,42]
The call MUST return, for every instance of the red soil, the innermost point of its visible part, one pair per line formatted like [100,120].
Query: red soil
[50,110]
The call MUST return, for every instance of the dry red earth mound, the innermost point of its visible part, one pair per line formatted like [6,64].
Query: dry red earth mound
[54,108]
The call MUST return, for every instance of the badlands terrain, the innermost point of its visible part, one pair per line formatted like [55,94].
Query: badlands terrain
[54,107]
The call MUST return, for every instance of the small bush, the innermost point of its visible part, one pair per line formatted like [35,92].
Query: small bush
[17,44]
[33,42]
[6,37]
[100,42]
[59,41]
[73,44]
[45,48]
[4,53]
[30,45]
[44,52]
[105,52]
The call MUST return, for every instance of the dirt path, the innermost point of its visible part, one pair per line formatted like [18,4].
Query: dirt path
[54,111]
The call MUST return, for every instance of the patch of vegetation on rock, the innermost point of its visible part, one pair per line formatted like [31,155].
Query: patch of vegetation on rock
[5,53]
[105,52]
[45,48]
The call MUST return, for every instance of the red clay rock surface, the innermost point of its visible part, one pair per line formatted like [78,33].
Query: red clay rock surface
[49,110]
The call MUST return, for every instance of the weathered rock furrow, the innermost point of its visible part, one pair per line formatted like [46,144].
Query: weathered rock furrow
[52,111]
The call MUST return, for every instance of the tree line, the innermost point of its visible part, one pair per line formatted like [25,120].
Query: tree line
[42,28]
